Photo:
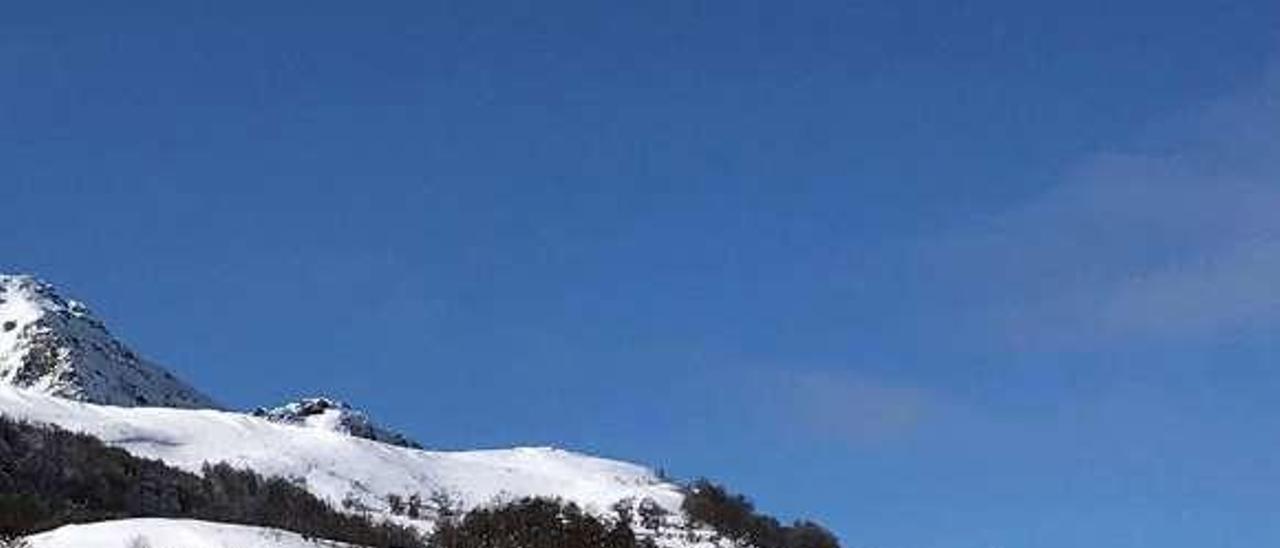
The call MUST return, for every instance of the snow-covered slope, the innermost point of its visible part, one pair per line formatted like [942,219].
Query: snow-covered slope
[171,533]
[342,468]
[56,346]
[59,365]
[330,414]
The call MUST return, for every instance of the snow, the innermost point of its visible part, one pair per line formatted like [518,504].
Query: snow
[171,533]
[56,346]
[336,467]
[331,414]
[59,365]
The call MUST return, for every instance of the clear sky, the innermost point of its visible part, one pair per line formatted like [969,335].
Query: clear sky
[998,274]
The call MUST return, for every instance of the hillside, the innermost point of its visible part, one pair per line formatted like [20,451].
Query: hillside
[341,468]
[60,366]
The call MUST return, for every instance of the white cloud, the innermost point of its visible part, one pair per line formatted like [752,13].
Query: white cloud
[852,408]
[1182,240]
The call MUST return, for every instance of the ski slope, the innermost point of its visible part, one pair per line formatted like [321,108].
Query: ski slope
[338,467]
[171,533]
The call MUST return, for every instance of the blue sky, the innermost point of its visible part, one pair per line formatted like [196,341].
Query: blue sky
[937,274]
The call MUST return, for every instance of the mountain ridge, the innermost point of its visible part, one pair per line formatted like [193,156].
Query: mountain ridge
[57,346]
[347,471]
[60,366]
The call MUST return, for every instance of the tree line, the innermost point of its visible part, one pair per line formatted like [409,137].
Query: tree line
[734,516]
[50,477]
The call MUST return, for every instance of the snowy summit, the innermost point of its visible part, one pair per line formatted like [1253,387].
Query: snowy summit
[330,414]
[56,346]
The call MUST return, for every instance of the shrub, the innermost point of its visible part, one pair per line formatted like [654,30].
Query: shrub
[14,542]
[735,517]
[395,503]
[534,523]
[651,515]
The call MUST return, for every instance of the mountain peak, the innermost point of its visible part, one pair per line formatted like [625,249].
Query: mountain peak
[25,296]
[55,345]
[334,415]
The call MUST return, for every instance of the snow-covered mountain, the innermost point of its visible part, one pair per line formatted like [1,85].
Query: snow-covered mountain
[59,365]
[56,346]
[334,415]
[350,472]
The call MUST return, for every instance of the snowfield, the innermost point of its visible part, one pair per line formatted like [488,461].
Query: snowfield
[171,533]
[338,467]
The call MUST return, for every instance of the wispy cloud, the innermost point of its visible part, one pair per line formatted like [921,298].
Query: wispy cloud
[1177,239]
[1181,239]
[856,409]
